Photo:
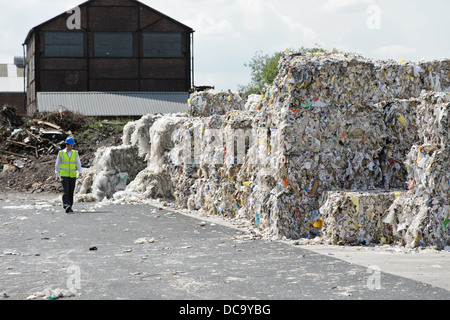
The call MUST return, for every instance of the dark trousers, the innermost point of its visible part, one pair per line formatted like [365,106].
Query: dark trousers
[69,188]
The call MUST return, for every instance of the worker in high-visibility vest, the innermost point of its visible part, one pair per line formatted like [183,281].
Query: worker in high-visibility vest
[66,167]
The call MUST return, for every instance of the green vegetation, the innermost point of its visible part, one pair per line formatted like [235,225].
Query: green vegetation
[264,69]
[96,128]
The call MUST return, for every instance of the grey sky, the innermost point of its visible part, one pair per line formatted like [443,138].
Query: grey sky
[229,32]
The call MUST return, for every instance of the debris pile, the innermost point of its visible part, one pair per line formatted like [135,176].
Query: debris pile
[25,140]
[330,123]
[28,146]
[8,117]
[34,137]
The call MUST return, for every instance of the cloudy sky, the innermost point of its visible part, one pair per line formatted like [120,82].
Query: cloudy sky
[229,32]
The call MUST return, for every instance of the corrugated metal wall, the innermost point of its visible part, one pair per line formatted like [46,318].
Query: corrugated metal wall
[114,103]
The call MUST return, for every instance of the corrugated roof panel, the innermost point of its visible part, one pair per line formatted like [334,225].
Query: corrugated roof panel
[114,103]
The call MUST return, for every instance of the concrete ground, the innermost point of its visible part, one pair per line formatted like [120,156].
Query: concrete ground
[431,267]
[145,252]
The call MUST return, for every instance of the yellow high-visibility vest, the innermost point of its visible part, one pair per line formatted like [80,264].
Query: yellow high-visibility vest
[68,167]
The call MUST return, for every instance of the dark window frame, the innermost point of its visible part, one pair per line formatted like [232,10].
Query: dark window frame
[122,50]
[51,47]
[163,49]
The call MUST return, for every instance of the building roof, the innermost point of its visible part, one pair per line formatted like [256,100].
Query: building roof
[113,103]
[11,78]
[92,1]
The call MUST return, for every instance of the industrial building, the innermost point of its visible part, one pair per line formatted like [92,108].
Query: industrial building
[109,48]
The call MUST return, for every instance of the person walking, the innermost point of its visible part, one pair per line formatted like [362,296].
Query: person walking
[66,167]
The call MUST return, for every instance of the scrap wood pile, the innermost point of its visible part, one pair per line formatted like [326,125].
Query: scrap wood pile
[8,117]
[28,146]
[23,140]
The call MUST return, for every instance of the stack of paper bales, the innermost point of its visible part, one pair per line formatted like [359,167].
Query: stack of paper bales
[334,122]
[330,123]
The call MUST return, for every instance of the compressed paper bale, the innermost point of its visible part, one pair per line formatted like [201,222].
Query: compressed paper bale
[155,180]
[128,130]
[402,133]
[419,216]
[429,174]
[207,103]
[349,79]
[429,162]
[206,180]
[420,221]
[141,134]
[253,102]
[356,217]
[185,156]
[433,118]
[104,177]
[196,143]
[161,139]
[349,137]
[146,185]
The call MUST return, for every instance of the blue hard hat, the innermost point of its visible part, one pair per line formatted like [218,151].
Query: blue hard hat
[70,141]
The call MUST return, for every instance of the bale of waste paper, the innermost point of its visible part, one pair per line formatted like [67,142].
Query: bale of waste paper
[336,122]
[210,102]
[421,217]
[330,123]
[349,79]
[113,168]
[356,217]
